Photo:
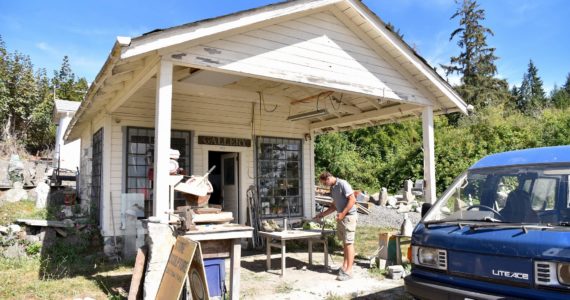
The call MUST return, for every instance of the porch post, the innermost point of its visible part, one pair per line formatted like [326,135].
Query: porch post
[429,154]
[162,126]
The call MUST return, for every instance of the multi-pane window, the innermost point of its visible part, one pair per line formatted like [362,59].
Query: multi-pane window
[279,163]
[140,161]
[96,172]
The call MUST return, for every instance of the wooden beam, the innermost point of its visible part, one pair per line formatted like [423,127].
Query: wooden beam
[139,79]
[375,114]
[162,125]
[209,91]
[429,155]
[313,97]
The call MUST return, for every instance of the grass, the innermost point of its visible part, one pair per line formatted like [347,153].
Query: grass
[366,242]
[25,209]
[71,267]
[24,279]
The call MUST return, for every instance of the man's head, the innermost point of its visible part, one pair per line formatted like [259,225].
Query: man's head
[327,179]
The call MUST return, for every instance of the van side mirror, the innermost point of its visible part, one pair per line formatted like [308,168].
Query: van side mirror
[425,208]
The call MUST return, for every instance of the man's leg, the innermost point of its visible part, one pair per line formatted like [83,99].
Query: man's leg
[348,258]
[345,257]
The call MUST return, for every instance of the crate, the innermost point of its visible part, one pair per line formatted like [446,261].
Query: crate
[216,275]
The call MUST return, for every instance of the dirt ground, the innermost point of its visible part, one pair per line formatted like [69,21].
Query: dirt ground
[304,281]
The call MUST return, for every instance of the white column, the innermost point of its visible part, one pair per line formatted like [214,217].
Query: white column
[162,126]
[60,131]
[429,155]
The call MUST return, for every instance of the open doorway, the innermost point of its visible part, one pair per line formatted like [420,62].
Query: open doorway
[225,181]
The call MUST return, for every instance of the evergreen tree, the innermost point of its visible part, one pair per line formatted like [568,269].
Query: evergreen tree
[65,84]
[476,62]
[560,97]
[532,97]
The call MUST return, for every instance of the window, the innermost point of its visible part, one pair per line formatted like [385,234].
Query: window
[279,164]
[97,172]
[140,152]
[543,194]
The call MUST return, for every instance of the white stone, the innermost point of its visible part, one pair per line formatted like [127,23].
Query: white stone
[15,195]
[160,242]
[383,197]
[42,191]
[392,201]
[14,228]
[32,238]
[3,229]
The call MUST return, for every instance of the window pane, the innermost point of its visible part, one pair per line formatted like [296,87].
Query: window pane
[279,176]
[140,152]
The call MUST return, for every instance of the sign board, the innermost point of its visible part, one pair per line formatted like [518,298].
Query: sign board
[176,269]
[185,261]
[223,141]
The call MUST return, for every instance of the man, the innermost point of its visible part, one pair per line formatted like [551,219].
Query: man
[344,204]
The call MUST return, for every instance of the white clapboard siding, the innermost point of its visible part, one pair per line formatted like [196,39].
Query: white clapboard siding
[205,116]
[318,50]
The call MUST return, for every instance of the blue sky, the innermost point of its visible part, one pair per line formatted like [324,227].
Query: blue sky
[86,30]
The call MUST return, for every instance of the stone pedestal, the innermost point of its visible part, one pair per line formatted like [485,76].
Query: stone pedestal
[160,241]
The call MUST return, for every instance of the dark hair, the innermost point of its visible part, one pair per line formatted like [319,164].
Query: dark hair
[324,175]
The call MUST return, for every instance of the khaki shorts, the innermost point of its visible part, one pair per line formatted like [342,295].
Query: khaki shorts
[346,229]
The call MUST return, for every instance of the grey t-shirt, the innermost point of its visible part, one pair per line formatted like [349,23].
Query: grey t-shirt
[340,192]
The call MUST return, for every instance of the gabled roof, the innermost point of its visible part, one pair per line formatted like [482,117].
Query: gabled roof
[159,42]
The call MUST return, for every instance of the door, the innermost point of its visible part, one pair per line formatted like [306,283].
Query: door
[230,184]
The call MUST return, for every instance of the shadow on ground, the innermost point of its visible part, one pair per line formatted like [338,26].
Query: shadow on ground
[390,294]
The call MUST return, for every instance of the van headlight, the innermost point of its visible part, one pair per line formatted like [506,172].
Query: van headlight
[429,257]
[564,273]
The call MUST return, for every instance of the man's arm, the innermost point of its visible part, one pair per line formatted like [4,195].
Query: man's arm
[326,212]
[351,201]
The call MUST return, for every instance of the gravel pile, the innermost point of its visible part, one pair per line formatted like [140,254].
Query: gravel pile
[382,216]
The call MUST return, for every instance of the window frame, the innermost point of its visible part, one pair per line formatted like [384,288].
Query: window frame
[260,161]
[97,166]
[185,162]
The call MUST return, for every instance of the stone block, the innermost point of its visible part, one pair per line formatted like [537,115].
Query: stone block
[160,241]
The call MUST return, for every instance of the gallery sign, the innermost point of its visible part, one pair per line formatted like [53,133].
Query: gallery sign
[223,141]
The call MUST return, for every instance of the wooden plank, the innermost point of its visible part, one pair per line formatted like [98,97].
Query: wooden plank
[135,290]
[162,131]
[383,113]
[182,35]
[429,155]
[216,248]
[46,223]
[225,52]
[400,46]
[235,269]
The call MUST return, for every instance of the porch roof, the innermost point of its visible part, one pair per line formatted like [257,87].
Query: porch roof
[133,62]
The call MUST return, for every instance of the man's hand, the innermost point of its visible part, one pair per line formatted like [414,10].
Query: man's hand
[340,216]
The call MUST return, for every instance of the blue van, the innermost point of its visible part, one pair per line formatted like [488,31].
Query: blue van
[500,231]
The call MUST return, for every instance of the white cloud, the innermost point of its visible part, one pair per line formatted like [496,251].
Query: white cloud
[48,49]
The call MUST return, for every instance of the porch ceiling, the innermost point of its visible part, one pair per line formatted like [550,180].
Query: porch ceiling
[345,111]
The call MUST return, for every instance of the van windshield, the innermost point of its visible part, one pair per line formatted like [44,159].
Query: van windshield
[515,195]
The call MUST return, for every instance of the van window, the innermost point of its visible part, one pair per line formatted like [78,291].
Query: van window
[543,194]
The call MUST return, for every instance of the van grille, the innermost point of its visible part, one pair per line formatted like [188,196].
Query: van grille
[545,273]
[542,272]
[442,259]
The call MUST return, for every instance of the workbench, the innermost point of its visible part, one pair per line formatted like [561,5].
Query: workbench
[312,236]
[222,241]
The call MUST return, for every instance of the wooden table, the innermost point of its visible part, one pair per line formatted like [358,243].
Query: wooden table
[222,241]
[312,236]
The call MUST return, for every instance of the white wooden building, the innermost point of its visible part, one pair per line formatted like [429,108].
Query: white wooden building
[66,156]
[248,92]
